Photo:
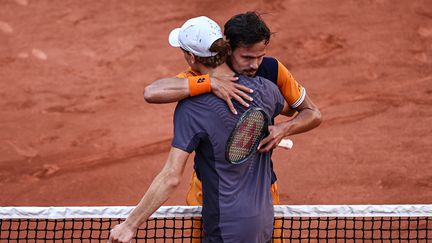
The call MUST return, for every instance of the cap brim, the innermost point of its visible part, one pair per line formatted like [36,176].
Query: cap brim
[173,38]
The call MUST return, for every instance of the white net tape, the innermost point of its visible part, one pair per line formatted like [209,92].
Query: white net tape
[415,210]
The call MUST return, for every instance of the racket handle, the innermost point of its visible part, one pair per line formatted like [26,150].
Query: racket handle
[286,143]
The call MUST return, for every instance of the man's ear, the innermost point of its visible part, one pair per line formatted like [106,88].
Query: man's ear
[192,58]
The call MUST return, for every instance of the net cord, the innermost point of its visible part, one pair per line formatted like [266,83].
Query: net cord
[414,210]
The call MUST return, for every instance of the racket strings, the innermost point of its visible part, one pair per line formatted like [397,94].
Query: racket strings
[247,136]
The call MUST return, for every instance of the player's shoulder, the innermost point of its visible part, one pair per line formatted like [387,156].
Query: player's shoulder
[187,108]
[199,102]
[269,63]
[203,109]
[268,69]
[258,83]
[187,73]
[267,60]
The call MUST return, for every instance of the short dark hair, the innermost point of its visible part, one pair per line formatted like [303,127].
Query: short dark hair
[222,48]
[246,29]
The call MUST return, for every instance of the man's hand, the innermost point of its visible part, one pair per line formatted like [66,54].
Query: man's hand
[224,86]
[121,233]
[276,133]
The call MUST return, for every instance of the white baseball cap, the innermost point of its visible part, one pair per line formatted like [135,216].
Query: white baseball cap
[196,36]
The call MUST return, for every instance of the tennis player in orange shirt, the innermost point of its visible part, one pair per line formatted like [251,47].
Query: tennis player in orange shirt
[248,36]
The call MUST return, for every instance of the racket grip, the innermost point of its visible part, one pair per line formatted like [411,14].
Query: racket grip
[286,143]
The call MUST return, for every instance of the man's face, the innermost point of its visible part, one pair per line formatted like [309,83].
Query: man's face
[245,60]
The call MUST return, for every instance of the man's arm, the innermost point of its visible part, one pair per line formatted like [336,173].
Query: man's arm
[167,90]
[307,118]
[159,191]
[223,85]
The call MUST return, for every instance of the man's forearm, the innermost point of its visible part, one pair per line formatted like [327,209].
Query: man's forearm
[159,191]
[167,90]
[305,120]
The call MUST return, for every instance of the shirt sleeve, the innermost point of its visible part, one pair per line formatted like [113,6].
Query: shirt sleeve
[292,91]
[186,129]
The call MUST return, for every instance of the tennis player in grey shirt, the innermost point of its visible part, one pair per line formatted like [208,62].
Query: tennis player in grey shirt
[237,202]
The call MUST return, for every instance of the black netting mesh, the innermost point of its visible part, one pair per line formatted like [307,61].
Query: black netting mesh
[186,229]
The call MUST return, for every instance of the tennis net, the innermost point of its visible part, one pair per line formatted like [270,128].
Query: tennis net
[312,223]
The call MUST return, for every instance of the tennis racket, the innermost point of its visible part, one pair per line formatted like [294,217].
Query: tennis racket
[251,128]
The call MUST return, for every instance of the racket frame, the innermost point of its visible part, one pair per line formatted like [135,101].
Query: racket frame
[254,147]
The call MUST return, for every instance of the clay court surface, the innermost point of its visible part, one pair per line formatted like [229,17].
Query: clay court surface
[75,130]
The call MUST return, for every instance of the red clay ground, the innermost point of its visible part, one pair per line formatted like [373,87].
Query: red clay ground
[74,129]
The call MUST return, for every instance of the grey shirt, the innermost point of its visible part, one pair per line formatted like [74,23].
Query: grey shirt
[237,203]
